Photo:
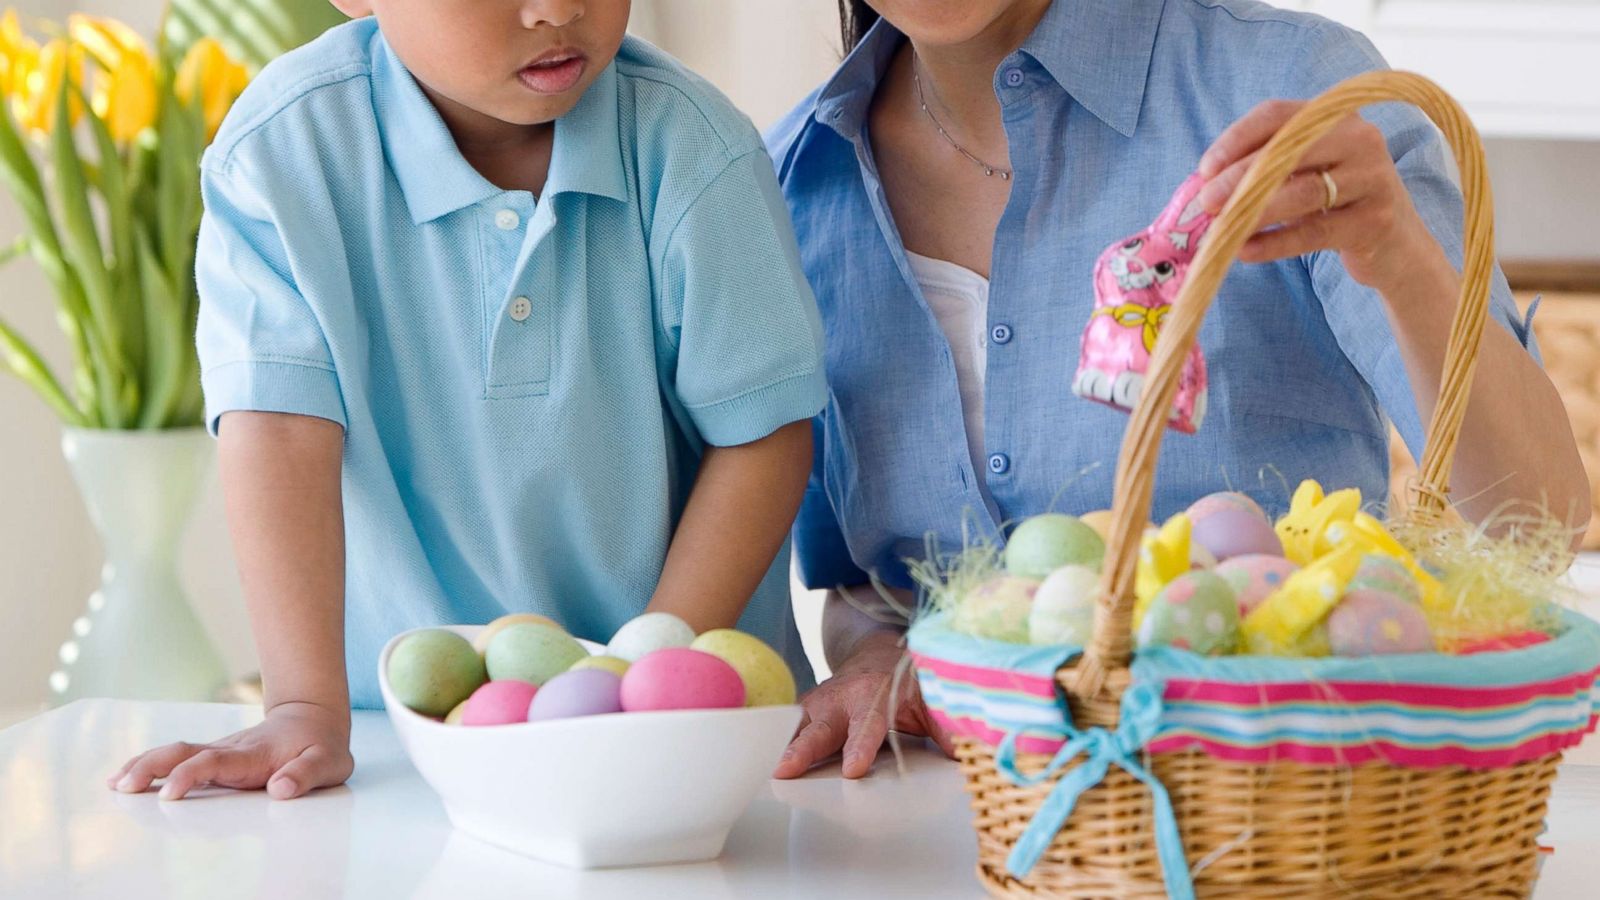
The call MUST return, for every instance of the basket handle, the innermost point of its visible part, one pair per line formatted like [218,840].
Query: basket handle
[1110,647]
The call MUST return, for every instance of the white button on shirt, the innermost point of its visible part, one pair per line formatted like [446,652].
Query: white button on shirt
[520,308]
[507,219]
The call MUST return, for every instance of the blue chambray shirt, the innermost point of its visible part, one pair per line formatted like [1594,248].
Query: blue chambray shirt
[1107,106]
[526,384]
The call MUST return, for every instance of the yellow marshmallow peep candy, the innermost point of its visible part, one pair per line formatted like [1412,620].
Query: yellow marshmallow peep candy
[1163,556]
[1284,623]
[1367,533]
[1304,530]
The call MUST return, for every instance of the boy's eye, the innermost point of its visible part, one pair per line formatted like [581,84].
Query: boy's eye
[1133,245]
[1164,270]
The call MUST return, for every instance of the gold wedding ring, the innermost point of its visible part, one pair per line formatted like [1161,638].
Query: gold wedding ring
[1331,189]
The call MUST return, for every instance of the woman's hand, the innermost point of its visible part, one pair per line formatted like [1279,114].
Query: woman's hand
[298,747]
[1372,223]
[850,711]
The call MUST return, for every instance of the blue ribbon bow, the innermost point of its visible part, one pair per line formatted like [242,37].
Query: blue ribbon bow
[1141,715]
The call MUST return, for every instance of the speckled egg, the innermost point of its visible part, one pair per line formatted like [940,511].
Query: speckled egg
[1233,500]
[681,678]
[997,609]
[1042,544]
[499,703]
[1230,532]
[612,664]
[648,633]
[1063,607]
[1196,612]
[1369,623]
[578,692]
[531,652]
[767,679]
[1386,575]
[504,622]
[431,671]
[1254,577]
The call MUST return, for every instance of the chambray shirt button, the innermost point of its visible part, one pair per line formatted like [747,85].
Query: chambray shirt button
[1014,77]
[999,463]
[1000,334]
[520,309]
[507,219]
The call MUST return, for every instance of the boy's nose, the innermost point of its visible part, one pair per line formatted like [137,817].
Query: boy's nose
[552,13]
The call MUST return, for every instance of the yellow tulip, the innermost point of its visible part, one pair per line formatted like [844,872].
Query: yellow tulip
[210,77]
[35,88]
[105,39]
[18,54]
[125,86]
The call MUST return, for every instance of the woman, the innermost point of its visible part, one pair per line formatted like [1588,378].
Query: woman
[951,186]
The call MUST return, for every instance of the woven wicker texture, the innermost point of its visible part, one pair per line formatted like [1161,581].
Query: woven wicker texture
[1284,829]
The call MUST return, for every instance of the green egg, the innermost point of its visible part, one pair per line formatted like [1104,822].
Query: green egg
[531,652]
[432,671]
[997,609]
[1386,575]
[1043,544]
[1197,611]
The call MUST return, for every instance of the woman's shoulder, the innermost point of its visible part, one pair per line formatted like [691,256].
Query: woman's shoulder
[1260,48]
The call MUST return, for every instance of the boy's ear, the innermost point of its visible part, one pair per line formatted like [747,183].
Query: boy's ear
[355,9]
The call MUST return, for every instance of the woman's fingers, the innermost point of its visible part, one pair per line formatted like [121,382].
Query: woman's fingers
[820,736]
[224,766]
[868,728]
[1308,235]
[137,773]
[314,768]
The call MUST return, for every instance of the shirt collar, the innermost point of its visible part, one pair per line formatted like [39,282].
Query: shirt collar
[437,180]
[1098,51]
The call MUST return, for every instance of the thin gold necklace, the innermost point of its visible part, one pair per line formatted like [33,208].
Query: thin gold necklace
[1005,174]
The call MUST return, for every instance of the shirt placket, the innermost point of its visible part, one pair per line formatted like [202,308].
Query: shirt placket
[518,313]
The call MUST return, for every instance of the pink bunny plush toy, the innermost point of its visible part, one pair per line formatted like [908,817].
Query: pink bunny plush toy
[1135,282]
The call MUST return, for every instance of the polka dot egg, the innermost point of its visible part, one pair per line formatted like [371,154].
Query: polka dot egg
[1254,577]
[1196,612]
[1387,575]
[1370,623]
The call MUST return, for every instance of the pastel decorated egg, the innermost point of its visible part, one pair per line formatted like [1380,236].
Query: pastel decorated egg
[997,609]
[531,652]
[648,633]
[767,679]
[1227,533]
[1254,577]
[1196,612]
[681,678]
[612,664]
[1042,544]
[1063,607]
[1221,500]
[431,671]
[454,716]
[499,703]
[1370,623]
[1387,575]
[498,625]
[1099,520]
[578,692]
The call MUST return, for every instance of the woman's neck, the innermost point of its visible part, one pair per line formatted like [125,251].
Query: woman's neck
[958,79]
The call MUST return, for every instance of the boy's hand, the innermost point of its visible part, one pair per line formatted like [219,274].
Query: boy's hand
[299,747]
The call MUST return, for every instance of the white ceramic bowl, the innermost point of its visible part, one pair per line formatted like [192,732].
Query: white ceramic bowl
[627,789]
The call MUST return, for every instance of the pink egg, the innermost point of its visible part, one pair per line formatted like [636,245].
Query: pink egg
[1369,623]
[501,702]
[1236,532]
[1254,577]
[578,692]
[681,678]
[1234,500]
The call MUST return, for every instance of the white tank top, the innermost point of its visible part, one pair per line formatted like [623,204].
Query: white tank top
[959,299]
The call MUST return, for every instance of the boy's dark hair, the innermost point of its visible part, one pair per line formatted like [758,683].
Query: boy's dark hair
[855,17]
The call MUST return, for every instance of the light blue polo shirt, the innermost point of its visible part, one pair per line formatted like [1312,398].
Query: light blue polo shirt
[526,384]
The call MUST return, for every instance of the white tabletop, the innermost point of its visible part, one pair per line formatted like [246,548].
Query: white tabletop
[63,834]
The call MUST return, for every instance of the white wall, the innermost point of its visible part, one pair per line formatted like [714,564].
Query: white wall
[765,54]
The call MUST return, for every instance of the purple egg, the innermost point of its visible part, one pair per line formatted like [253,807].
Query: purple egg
[1211,503]
[579,692]
[1227,533]
[1370,623]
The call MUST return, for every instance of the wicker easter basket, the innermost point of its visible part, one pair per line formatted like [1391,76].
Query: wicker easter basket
[1283,827]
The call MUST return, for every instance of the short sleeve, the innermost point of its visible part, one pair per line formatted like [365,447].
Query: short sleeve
[1355,312]
[821,554]
[262,348]
[737,306]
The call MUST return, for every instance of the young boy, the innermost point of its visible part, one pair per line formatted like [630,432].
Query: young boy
[500,312]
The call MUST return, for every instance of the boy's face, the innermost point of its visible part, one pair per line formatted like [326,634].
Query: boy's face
[522,62]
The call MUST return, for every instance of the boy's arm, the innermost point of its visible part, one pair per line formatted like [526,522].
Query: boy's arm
[281,482]
[739,513]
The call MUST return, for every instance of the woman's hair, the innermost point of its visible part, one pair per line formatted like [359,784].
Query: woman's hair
[855,17]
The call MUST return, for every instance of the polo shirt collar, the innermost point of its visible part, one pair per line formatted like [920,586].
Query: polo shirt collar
[1098,51]
[437,180]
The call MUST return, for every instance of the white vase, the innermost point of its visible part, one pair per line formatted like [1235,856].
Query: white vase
[140,638]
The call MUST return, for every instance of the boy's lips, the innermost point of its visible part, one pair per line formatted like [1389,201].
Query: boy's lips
[554,72]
